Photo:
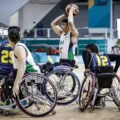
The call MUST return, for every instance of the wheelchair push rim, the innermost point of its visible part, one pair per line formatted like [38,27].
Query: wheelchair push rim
[68,94]
[88,90]
[36,99]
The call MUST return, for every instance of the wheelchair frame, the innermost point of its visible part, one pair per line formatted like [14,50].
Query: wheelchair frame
[17,102]
[92,92]
[66,69]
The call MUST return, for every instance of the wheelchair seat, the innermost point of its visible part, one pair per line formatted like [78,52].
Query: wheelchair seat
[48,67]
[105,76]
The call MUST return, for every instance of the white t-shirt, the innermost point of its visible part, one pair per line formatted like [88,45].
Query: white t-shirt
[66,47]
[30,64]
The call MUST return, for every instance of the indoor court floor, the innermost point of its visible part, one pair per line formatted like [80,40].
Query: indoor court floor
[72,112]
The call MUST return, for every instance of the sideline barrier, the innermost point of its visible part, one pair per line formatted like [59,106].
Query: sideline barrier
[34,45]
[44,58]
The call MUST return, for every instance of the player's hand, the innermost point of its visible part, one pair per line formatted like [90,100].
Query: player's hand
[73,7]
[15,90]
[65,14]
[86,71]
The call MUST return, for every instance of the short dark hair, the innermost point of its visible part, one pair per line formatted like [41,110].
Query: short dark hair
[14,27]
[65,20]
[93,48]
[14,35]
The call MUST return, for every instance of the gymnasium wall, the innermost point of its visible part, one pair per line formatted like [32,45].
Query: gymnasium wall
[35,44]
[34,13]
[116,14]
[81,44]
[99,13]
[9,7]
[80,21]
[30,14]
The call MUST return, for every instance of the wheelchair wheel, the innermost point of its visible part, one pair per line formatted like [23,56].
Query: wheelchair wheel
[115,90]
[67,85]
[86,92]
[31,99]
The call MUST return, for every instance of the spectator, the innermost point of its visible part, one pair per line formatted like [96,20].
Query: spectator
[57,50]
[32,33]
[53,51]
[25,33]
[113,50]
[119,51]
[49,51]
[41,49]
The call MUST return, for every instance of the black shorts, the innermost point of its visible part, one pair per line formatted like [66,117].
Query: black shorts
[12,76]
[66,62]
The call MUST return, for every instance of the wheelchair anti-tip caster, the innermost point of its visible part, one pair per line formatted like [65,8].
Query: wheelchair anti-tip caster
[103,105]
[7,113]
[119,108]
[1,111]
[77,101]
[82,110]
[53,112]
[92,107]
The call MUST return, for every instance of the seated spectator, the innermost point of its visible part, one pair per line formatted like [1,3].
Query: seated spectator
[25,33]
[57,50]
[53,51]
[32,33]
[119,51]
[49,51]
[113,50]
[40,49]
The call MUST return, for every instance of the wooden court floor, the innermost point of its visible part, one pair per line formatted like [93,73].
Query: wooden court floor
[72,112]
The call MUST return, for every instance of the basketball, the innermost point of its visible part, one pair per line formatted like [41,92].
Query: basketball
[76,11]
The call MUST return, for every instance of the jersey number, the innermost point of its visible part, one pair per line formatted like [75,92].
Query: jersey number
[102,60]
[5,55]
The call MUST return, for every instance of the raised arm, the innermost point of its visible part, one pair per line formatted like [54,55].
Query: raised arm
[72,26]
[57,29]
[22,66]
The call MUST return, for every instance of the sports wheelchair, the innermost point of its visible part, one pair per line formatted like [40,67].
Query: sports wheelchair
[104,84]
[32,99]
[66,82]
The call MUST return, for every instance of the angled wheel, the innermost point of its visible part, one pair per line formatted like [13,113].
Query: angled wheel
[67,85]
[86,92]
[31,99]
[115,90]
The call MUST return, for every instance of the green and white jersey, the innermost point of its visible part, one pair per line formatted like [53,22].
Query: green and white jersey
[66,47]
[30,64]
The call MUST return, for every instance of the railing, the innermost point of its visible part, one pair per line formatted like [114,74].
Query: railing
[48,33]
[101,47]
[3,33]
